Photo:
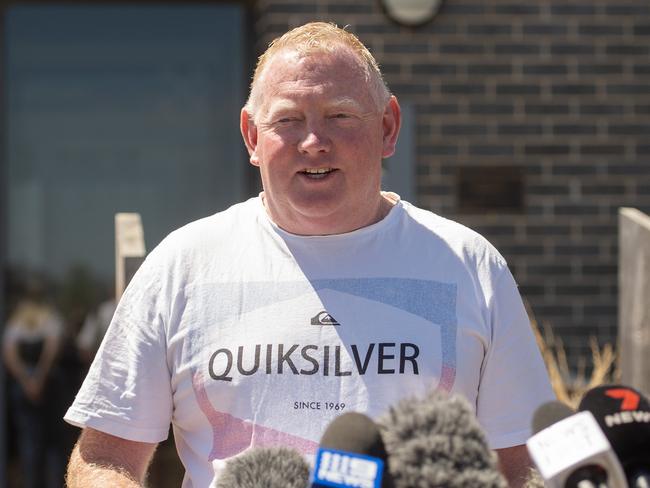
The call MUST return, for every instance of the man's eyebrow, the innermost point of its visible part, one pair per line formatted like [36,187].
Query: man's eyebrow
[281,106]
[341,103]
[345,102]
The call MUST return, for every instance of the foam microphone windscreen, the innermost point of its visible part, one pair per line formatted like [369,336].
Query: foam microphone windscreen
[534,480]
[550,413]
[436,441]
[273,467]
[623,414]
[352,453]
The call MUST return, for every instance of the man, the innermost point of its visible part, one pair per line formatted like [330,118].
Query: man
[258,325]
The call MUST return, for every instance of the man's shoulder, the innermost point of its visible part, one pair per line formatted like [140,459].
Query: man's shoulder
[461,241]
[209,234]
[235,219]
[445,228]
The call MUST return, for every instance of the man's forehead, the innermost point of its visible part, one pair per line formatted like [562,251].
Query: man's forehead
[312,62]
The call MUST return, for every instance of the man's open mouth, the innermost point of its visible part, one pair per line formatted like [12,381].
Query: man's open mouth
[317,173]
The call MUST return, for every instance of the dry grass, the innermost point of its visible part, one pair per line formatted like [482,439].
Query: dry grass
[569,388]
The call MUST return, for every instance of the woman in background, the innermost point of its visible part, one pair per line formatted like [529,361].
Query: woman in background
[31,343]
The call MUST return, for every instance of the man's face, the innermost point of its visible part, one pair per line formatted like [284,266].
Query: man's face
[318,138]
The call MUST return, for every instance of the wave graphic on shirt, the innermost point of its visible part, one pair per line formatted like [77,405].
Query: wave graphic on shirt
[231,435]
[431,300]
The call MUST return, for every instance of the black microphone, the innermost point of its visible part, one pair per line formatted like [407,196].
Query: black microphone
[265,467]
[550,413]
[351,453]
[623,414]
[436,441]
[571,451]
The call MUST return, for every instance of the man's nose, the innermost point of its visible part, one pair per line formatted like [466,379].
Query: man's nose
[315,140]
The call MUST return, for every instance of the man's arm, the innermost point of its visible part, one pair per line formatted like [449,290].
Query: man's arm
[515,465]
[100,460]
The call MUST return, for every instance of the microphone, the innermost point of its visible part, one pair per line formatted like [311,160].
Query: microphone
[571,451]
[623,414]
[351,454]
[550,413]
[436,441]
[265,467]
[545,415]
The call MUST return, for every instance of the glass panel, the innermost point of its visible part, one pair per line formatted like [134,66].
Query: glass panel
[118,108]
[109,109]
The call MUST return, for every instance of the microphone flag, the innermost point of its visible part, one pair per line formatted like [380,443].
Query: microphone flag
[343,469]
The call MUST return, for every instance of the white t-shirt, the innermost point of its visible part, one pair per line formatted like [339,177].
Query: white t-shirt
[243,335]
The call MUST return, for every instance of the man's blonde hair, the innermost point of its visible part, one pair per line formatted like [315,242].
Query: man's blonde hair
[320,37]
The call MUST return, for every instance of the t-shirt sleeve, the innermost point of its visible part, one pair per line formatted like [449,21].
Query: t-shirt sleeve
[127,392]
[514,381]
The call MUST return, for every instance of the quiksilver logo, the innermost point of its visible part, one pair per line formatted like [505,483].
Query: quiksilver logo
[323,318]
[383,358]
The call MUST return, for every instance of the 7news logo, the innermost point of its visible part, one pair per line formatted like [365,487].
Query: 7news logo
[628,411]
[629,399]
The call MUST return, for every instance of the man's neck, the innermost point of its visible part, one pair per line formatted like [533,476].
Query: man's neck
[329,225]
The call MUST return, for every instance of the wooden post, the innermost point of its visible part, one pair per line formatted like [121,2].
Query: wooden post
[634,298]
[129,249]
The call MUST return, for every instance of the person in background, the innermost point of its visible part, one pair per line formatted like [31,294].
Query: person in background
[93,329]
[30,347]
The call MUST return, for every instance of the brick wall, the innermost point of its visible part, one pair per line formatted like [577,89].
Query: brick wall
[557,88]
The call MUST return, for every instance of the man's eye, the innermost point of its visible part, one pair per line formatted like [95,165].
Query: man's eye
[341,116]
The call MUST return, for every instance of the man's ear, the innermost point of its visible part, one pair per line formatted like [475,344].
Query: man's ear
[391,123]
[249,133]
